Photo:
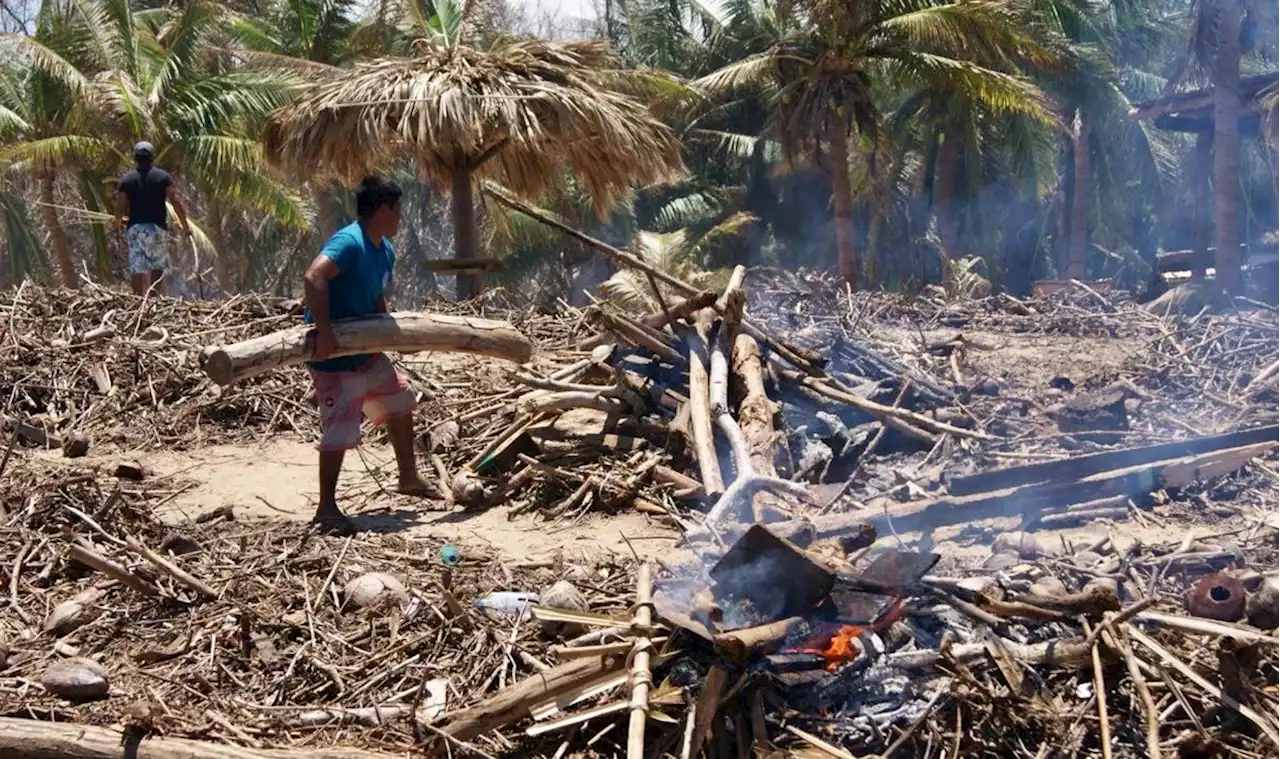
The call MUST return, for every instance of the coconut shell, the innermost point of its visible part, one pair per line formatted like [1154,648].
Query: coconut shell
[77,679]
[563,595]
[1002,560]
[1021,543]
[1048,587]
[373,589]
[67,616]
[1109,583]
[1263,607]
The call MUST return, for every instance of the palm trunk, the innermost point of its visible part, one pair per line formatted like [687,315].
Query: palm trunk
[464,229]
[1226,145]
[324,213]
[1079,237]
[842,202]
[877,274]
[222,254]
[61,247]
[948,156]
[1200,166]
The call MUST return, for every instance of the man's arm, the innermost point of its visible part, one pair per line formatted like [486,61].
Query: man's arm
[122,208]
[171,194]
[316,289]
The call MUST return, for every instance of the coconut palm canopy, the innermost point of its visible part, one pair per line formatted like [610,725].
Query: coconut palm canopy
[519,112]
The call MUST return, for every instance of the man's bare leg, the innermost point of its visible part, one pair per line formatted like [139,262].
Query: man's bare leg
[400,430]
[328,515]
[139,283]
[157,287]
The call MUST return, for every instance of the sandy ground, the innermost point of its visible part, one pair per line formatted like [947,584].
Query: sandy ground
[278,480]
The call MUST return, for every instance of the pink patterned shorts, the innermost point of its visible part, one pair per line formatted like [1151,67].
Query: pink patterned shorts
[376,391]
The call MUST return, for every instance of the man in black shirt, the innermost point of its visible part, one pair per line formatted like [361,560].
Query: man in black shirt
[141,195]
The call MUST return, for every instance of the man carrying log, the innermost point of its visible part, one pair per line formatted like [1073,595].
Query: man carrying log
[347,280]
[142,195]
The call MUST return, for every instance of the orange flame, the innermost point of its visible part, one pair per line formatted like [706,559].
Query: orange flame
[842,646]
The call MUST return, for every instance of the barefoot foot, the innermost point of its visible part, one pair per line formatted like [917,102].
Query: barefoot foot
[331,521]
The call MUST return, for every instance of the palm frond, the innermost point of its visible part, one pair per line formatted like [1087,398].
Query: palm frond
[44,60]
[59,150]
[754,70]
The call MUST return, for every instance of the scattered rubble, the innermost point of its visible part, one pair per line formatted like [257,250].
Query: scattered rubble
[810,449]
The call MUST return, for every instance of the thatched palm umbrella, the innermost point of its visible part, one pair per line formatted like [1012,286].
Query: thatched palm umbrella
[520,113]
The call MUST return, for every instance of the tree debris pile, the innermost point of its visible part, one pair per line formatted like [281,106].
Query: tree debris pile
[260,635]
[101,367]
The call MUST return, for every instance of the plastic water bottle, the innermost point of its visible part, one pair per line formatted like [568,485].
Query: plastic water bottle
[507,604]
[450,555]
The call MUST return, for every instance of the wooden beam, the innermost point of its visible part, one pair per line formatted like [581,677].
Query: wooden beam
[1083,466]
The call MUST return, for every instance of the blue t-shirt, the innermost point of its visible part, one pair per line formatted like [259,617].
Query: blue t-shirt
[364,269]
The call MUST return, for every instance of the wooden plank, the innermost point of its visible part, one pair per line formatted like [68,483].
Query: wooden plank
[1083,466]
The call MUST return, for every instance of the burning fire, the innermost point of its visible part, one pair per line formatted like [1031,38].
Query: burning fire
[841,646]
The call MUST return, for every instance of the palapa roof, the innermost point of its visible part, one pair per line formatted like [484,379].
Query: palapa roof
[520,113]
[1193,111]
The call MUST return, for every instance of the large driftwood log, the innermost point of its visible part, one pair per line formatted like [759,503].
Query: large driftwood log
[32,739]
[405,332]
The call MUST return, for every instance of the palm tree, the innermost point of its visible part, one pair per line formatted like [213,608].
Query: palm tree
[1222,34]
[518,112]
[44,125]
[308,36]
[816,64]
[1228,20]
[966,142]
[108,75]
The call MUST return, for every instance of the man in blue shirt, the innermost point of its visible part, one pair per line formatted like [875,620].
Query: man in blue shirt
[347,280]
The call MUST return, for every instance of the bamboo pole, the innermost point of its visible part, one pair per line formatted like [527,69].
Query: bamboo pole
[640,674]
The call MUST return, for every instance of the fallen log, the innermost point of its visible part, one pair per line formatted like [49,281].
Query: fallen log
[33,739]
[405,332]
[732,304]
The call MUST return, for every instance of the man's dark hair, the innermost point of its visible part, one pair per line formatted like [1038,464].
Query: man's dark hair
[375,192]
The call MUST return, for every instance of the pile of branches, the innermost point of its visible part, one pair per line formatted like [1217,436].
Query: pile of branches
[260,635]
[251,633]
[102,367]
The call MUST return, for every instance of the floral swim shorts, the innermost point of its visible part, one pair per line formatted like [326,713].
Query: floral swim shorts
[148,248]
[376,391]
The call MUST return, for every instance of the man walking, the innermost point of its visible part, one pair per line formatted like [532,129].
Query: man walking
[348,279]
[141,195]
